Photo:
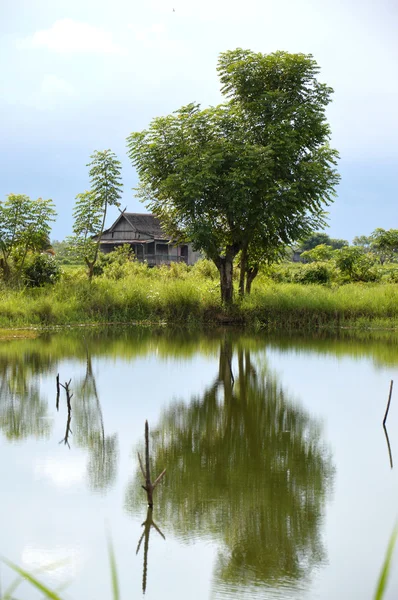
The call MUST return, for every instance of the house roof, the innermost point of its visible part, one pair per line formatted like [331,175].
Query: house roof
[143,223]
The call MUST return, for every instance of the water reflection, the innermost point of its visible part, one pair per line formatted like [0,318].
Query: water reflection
[147,524]
[89,431]
[246,466]
[23,412]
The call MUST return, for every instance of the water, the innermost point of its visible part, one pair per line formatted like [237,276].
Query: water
[278,477]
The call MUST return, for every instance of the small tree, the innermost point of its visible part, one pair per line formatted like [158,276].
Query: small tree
[24,227]
[362,241]
[318,254]
[91,206]
[385,244]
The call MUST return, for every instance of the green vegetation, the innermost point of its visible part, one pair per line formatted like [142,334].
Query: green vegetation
[91,207]
[24,233]
[291,296]
[248,176]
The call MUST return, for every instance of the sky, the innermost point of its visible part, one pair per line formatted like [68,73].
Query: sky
[81,75]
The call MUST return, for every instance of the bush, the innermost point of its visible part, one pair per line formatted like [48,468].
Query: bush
[41,270]
[205,268]
[318,272]
[120,256]
[175,270]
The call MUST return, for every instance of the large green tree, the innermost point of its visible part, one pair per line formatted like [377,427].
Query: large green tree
[252,173]
[247,468]
[24,227]
[91,206]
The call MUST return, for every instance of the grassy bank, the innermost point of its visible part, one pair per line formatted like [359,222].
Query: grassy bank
[179,296]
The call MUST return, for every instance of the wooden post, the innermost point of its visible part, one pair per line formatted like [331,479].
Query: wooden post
[58,392]
[148,483]
[149,486]
[68,430]
[388,403]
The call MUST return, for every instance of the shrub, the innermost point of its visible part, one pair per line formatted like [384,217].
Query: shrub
[175,270]
[205,268]
[314,273]
[41,270]
[120,256]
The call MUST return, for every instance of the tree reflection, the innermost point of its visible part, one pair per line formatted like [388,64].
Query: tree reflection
[245,465]
[89,431]
[23,412]
[147,524]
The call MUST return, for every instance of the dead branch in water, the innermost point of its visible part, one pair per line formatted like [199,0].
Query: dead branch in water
[68,430]
[149,486]
[388,403]
[58,392]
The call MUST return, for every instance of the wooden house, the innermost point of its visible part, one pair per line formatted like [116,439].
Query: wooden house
[144,234]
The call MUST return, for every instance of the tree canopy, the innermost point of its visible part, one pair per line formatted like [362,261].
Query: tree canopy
[247,467]
[256,171]
[320,238]
[24,227]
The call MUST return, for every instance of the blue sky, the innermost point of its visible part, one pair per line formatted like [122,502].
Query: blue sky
[80,75]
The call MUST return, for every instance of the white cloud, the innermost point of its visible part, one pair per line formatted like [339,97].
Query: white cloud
[62,473]
[59,562]
[69,36]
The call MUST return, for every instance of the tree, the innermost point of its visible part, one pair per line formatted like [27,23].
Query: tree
[362,241]
[355,264]
[251,472]
[385,244]
[24,227]
[255,171]
[322,252]
[319,238]
[91,206]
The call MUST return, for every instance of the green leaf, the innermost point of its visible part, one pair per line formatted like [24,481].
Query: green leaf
[114,577]
[35,582]
[381,588]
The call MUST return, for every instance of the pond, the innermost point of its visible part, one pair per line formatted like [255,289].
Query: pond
[279,482]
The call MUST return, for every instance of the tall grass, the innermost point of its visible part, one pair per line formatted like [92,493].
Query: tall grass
[180,294]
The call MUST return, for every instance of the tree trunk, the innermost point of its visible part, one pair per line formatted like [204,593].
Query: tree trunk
[252,273]
[90,266]
[226,270]
[224,265]
[243,269]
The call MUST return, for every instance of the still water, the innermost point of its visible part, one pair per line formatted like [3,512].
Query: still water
[279,481]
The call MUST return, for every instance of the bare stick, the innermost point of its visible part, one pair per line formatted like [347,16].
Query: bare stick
[148,484]
[158,478]
[58,392]
[140,542]
[141,465]
[68,421]
[146,472]
[388,403]
[388,446]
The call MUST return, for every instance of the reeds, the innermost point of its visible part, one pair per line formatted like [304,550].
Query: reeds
[181,296]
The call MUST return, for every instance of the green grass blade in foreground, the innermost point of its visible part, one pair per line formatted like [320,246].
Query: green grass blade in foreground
[37,584]
[112,562]
[381,588]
